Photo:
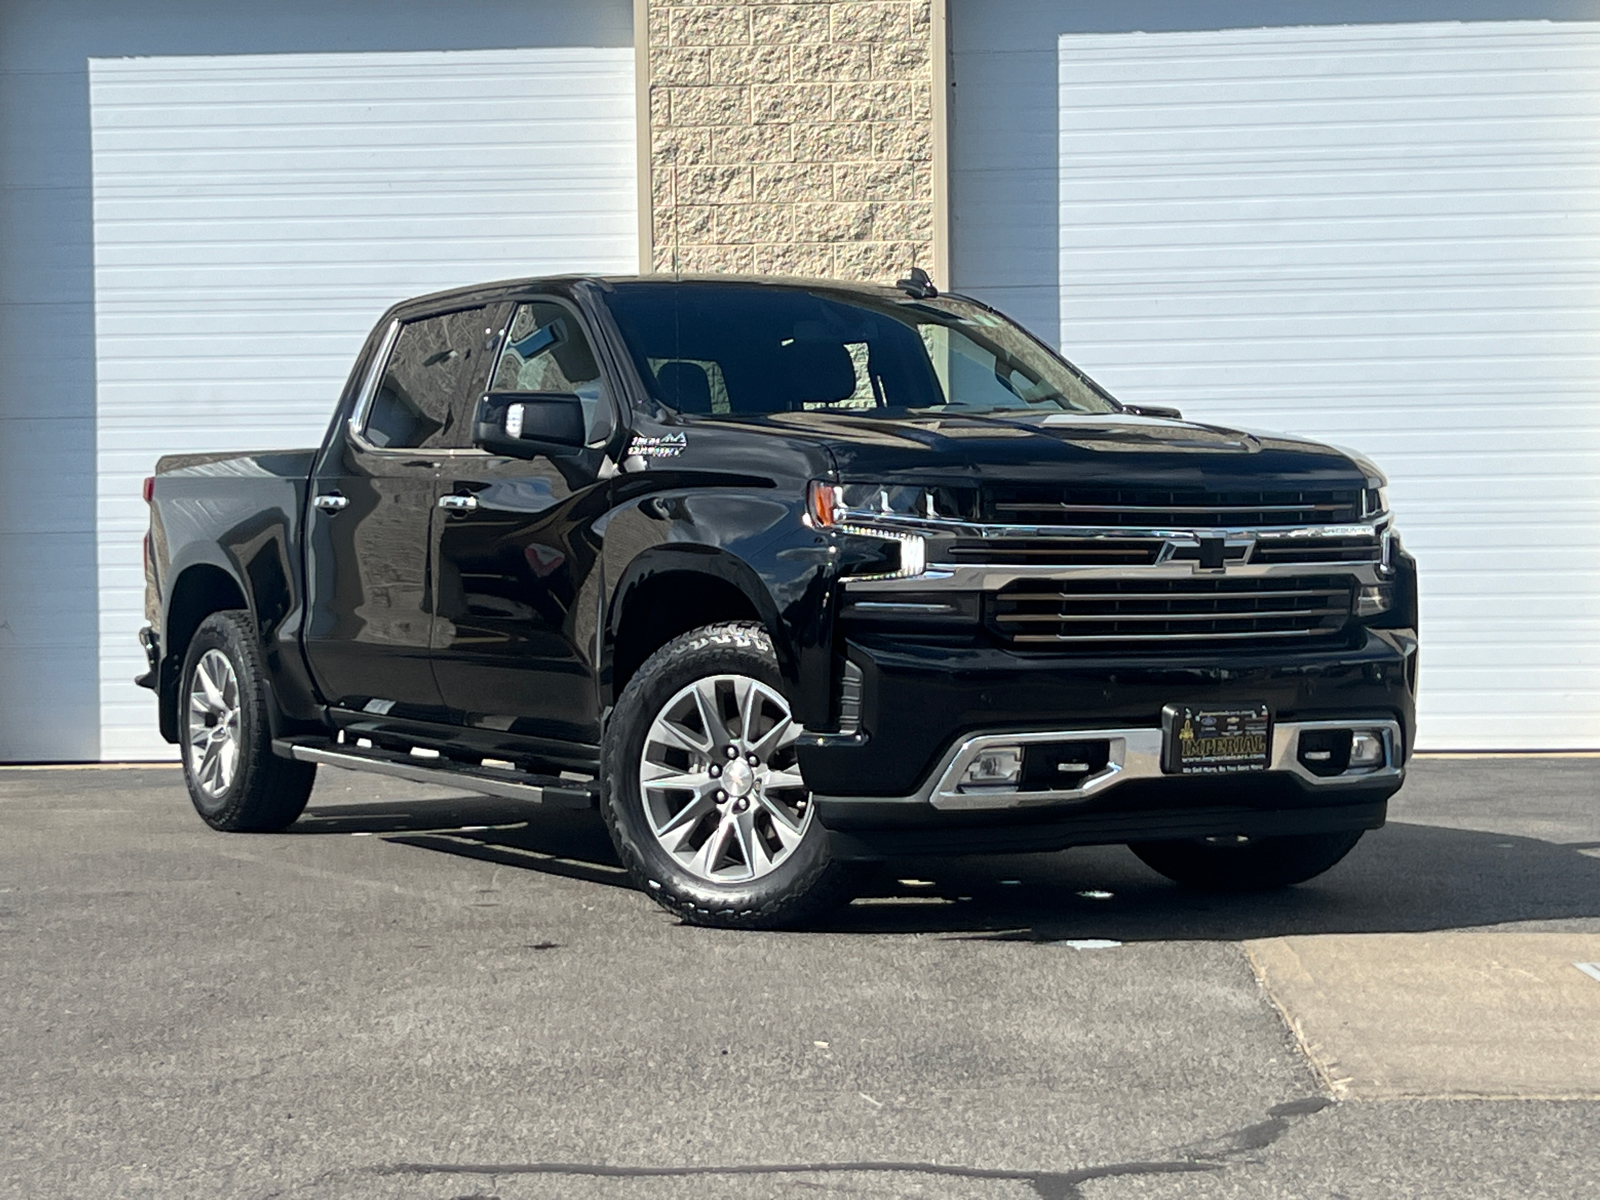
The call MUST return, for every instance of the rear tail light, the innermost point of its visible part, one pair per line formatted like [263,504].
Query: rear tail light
[149,487]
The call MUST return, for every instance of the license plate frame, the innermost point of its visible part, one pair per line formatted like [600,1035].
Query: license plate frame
[1239,737]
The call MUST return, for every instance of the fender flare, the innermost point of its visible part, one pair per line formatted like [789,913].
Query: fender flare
[693,558]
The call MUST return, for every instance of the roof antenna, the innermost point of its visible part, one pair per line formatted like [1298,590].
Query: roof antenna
[917,285]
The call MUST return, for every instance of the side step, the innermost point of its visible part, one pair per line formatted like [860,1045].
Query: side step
[492,781]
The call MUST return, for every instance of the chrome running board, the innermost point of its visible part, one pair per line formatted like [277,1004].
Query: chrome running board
[491,781]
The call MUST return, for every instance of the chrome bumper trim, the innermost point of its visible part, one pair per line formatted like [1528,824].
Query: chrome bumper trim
[1134,754]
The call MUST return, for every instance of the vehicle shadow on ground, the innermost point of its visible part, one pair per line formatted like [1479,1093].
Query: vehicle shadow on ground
[552,841]
[1402,878]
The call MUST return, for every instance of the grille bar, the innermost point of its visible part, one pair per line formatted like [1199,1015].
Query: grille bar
[1104,613]
[1319,550]
[1165,508]
[1176,618]
[1108,552]
[1049,504]
[1100,597]
[1205,636]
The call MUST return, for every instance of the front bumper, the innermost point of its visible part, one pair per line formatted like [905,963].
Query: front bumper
[1131,754]
[921,698]
[1129,799]
[927,708]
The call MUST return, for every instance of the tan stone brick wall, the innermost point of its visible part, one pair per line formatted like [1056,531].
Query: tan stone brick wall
[791,138]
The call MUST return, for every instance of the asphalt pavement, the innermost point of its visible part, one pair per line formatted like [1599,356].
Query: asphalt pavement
[416,993]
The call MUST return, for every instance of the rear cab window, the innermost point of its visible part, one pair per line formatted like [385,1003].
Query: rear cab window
[434,364]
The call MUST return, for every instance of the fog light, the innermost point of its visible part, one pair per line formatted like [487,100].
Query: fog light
[998,766]
[1366,749]
[1374,599]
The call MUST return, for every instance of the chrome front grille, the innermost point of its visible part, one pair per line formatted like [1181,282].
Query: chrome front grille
[1150,614]
[1047,504]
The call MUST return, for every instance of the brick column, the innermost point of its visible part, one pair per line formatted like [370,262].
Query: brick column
[791,138]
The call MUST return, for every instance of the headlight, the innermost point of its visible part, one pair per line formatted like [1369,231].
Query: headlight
[837,504]
[1375,501]
[866,510]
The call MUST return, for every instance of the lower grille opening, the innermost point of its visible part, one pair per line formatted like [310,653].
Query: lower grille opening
[1153,615]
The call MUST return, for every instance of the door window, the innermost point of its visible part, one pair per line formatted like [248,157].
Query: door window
[415,405]
[546,351]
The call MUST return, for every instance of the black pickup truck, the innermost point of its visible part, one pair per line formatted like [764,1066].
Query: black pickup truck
[786,577]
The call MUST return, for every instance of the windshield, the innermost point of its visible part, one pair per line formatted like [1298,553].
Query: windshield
[741,349]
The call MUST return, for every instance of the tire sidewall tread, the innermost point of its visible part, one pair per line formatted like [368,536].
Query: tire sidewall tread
[268,793]
[803,886]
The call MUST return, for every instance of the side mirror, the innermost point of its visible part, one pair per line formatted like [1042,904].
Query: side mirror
[526,424]
[1153,410]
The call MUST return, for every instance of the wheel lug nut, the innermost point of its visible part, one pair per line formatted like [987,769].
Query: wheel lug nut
[752,760]
[715,770]
[721,796]
[740,804]
[733,752]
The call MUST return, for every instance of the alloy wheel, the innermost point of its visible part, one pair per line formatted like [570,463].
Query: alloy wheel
[214,735]
[721,781]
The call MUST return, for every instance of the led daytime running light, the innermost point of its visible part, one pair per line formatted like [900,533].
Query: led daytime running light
[913,551]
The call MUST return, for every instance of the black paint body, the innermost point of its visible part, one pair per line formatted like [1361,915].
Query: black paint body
[496,631]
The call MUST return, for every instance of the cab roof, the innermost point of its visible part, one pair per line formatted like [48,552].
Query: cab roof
[503,288]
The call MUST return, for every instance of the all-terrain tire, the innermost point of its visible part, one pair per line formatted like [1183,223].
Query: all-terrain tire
[803,886]
[1254,865]
[263,793]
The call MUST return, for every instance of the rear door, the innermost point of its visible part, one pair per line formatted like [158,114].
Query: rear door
[369,574]
[515,630]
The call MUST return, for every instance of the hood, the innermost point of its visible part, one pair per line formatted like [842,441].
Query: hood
[1117,449]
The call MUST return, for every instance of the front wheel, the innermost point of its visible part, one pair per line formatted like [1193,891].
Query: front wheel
[235,781]
[1234,864]
[703,794]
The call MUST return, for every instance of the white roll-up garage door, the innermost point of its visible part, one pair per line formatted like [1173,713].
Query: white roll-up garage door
[254,215]
[1383,236]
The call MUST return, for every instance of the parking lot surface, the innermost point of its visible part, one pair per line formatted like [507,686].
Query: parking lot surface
[428,995]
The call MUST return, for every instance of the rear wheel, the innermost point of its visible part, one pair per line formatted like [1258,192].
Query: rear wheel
[703,793]
[1235,864]
[235,781]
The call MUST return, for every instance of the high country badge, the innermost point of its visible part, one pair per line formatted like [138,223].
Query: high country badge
[670,446]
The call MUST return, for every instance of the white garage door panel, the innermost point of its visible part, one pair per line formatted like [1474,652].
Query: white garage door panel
[255,214]
[1387,237]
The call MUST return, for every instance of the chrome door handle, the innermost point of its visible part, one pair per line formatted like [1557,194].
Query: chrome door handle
[331,502]
[458,503]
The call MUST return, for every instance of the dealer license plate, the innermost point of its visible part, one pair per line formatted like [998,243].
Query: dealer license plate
[1216,741]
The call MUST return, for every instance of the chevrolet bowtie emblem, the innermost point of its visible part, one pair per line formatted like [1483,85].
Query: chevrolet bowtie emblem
[1211,554]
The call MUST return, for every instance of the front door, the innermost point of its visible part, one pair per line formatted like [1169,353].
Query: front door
[369,576]
[516,627]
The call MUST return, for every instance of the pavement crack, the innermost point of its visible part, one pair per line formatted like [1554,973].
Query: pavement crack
[1047,1185]
[1259,1135]
[1213,1154]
